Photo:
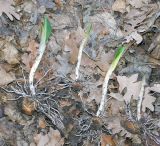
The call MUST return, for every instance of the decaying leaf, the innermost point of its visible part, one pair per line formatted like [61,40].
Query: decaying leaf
[64,67]
[6,78]
[130,83]
[28,59]
[72,43]
[107,140]
[52,138]
[107,20]
[155,88]
[148,100]
[134,36]
[138,3]
[105,59]
[115,125]
[115,107]
[7,8]
[119,6]
[141,19]
[10,54]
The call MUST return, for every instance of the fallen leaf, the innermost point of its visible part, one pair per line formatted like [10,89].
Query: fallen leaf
[60,22]
[28,59]
[133,87]
[148,100]
[107,21]
[130,126]
[138,3]
[42,122]
[155,88]
[115,125]
[46,3]
[107,140]
[72,44]
[7,8]
[64,67]
[134,36]
[52,138]
[7,131]
[87,62]
[94,90]
[6,78]
[119,6]
[105,59]
[10,54]
[117,96]
[141,19]
[115,106]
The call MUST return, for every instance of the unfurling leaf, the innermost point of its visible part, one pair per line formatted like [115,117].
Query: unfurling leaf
[46,30]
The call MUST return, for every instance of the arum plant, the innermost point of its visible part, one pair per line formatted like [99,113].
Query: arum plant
[46,32]
[112,67]
[84,41]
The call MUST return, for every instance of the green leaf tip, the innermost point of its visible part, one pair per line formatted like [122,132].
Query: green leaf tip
[117,57]
[46,30]
[88,30]
[119,52]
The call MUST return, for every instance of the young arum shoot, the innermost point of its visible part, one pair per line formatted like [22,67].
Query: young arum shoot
[112,67]
[46,32]
[84,41]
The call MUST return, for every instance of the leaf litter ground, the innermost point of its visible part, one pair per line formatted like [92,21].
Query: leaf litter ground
[64,110]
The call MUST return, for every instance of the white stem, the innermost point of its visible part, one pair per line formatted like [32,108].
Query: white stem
[80,56]
[35,66]
[104,93]
[140,98]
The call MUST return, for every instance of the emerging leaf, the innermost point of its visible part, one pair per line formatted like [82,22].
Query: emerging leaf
[117,57]
[46,30]
[89,30]
[119,52]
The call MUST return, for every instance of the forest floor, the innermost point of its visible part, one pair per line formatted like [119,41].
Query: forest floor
[63,110]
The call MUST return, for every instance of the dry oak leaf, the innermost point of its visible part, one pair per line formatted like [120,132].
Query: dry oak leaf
[115,107]
[119,6]
[28,59]
[53,138]
[130,83]
[109,23]
[72,43]
[138,3]
[107,140]
[7,8]
[148,100]
[155,88]
[10,54]
[134,36]
[6,78]
[105,59]
[114,123]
